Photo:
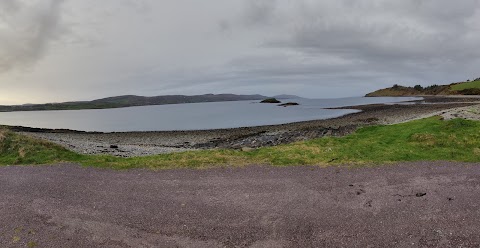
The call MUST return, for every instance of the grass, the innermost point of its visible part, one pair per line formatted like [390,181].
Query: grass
[429,139]
[18,149]
[466,85]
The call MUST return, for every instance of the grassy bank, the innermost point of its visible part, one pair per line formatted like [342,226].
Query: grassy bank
[466,85]
[460,88]
[428,139]
[18,149]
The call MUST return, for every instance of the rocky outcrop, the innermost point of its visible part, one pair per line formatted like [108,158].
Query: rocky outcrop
[263,139]
[288,104]
[270,100]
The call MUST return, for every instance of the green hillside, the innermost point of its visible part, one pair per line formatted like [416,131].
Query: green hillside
[398,90]
[461,88]
[466,85]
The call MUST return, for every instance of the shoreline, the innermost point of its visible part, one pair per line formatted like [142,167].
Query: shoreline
[360,108]
[130,144]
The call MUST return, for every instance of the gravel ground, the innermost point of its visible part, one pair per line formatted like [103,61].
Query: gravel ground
[149,143]
[425,204]
[469,113]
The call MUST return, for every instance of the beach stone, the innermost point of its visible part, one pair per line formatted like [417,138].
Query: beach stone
[247,149]
[422,194]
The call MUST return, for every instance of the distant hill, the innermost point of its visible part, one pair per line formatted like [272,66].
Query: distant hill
[131,100]
[286,97]
[461,88]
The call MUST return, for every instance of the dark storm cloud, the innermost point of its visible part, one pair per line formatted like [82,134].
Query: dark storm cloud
[26,29]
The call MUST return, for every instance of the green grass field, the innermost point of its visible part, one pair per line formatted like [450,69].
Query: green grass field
[422,140]
[466,85]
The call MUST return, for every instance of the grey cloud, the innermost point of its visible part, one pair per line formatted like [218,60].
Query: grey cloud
[141,6]
[27,29]
[395,37]
[327,48]
[406,29]
[259,12]
[321,46]
[9,6]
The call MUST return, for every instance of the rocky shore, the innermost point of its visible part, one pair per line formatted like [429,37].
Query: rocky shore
[148,143]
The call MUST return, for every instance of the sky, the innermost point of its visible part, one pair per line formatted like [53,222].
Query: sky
[62,50]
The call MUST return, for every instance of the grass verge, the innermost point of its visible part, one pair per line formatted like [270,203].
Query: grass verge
[429,139]
[466,85]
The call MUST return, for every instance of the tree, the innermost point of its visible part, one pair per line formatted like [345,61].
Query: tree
[418,87]
[432,87]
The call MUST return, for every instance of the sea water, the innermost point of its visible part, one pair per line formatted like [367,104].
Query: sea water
[191,116]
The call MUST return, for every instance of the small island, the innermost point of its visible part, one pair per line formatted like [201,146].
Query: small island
[288,104]
[271,100]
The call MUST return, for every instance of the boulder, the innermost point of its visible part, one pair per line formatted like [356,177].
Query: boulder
[247,149]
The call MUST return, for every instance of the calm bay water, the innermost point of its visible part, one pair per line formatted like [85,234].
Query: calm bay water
[194,116]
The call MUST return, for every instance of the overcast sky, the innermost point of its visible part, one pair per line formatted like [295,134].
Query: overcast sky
[58,50]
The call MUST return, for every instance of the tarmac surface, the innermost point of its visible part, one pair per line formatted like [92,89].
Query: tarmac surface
[425,204]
